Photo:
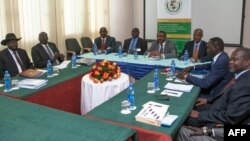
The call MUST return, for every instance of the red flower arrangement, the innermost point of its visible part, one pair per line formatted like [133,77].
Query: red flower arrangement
[104,71]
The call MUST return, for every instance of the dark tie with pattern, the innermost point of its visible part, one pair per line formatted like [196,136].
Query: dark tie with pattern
[19,60]
[228,85]
[49,52]
[161,48]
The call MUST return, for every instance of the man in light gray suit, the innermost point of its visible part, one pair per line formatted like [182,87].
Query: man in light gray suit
[162,47]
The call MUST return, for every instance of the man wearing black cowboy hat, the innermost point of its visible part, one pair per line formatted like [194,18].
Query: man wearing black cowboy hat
[13,59]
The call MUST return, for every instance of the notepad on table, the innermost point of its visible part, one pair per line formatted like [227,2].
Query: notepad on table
[168,120]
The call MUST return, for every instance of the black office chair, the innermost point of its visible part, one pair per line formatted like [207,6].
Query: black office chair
[87,44]
[72,46]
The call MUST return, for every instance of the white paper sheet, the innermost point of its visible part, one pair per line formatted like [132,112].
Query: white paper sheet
[178,87]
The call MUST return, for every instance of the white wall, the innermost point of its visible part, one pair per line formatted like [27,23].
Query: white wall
[122,19]
[246,32]
[126,14]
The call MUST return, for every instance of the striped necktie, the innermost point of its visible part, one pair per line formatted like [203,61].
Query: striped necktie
[49,52]
[19,60]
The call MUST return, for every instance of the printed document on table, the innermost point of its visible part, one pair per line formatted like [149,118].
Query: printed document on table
[178,87]
[63,65]
[152,113]
[171,93]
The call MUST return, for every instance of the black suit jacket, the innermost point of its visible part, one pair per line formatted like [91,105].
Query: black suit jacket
[141,43]
[110,42]
[232,106]
[8,63]
[40,56]
[202,54]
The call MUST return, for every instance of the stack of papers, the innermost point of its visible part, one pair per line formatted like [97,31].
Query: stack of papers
[32,83]
[152,113]
[178,87]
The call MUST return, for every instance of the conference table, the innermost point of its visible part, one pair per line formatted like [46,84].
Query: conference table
[140,67]
[62,92]
[110,110]
[24,121]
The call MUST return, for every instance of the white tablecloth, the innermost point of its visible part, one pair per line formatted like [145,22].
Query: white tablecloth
[94,94]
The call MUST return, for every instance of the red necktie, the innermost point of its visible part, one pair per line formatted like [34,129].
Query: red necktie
[195,53]
[103,44]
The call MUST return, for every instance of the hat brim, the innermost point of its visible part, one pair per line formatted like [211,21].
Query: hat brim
[5,41]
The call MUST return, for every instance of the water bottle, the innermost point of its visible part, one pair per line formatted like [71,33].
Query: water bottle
[7,82]
[131,96]
[120,51]
[156,80]
[49,69]
[95,49]
[172,72]
[73,61]
[135,54]
[186,57]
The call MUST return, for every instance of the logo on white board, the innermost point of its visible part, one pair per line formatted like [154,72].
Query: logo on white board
[173,7]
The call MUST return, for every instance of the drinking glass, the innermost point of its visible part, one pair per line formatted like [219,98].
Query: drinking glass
[125,107]
[151,88]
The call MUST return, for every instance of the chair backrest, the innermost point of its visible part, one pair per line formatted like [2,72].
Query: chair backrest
[86,42]
[72,45]
[117,44]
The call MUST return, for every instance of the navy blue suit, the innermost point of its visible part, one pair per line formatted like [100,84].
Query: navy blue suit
[232,106]
[202,53]
[8,63]
[218,76]
[141,43]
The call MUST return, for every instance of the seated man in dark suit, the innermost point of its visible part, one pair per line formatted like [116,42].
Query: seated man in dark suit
[163,47]
[232,104]
[197,48]
[135,43]
[44,51]
[13,59]
[218,74]
[105,43]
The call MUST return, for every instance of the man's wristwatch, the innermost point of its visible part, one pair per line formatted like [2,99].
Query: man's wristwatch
[204,129]
[207,131]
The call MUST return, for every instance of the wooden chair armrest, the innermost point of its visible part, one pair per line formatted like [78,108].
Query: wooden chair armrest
[87,49]
[71,52]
